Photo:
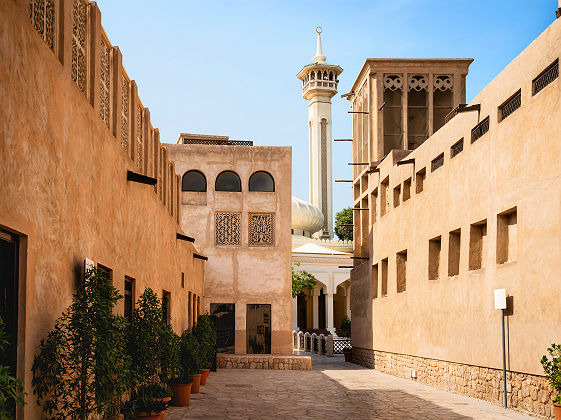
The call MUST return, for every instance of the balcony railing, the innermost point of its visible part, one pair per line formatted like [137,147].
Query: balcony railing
[320,84]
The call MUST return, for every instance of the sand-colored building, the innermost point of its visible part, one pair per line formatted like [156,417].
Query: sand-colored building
[236,203]
[83,176]
[453,201]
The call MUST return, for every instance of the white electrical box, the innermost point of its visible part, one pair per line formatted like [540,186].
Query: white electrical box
[88,264]
[500,298]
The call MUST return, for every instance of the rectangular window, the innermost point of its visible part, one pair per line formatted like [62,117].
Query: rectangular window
[457,148]
[385,198]
[479,129]
[258,329]
[182,280]
[374,204]
[198,307]
[419,180]
[374,281]
[384,277]
[507,236]
[194,305]
[417,111]
[106,270]
[435,245]
[406,189]
[510,105]
[224,316]
[396,195]
[546,77]
[477,244]
[401,270]
[129,298]
[166,306]
[454,243]
[443,99]
[189,313]
[437,162]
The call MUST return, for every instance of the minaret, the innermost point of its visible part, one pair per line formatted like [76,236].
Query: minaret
[319,85]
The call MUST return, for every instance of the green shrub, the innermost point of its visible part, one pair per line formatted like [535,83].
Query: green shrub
[206,335]
[11,389]
[191,355]
[82,367]
[346,326]
[552,369]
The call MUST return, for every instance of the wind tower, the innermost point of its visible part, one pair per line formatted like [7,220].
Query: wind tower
[319,85]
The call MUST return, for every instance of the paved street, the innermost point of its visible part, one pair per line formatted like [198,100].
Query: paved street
[332,390]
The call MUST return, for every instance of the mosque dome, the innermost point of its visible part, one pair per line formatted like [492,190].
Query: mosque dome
[306,217]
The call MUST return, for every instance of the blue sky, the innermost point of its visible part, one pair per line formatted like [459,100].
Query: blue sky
[229,67]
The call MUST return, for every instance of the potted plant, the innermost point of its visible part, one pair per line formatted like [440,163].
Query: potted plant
[193,360]
[82,368]
[346,326]
[11,389]
[152,346]
[206,335]
[552,368]
[347,351]
[145,405]
[180,375]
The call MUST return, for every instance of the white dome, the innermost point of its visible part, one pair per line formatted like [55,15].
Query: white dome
[306,216]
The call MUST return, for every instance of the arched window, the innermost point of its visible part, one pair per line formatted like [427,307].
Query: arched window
[228,181]
[313,75]
[330,75]
[193,181]
[261,181]
[324,75]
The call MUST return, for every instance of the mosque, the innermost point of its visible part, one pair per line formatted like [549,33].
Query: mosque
[313,247]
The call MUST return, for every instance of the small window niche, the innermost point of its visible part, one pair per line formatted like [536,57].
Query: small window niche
[435,246]
[396,195]
[166,306]
[129,298]
[374,281]
[507,242]
[407,189]
[401,270]
[420,180]
[477,244]
[385,198]
[384,277]
[454,243]
[374,204]
[356,190]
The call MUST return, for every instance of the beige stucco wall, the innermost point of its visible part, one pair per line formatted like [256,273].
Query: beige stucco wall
[516,164]
[63,189]
[242,274]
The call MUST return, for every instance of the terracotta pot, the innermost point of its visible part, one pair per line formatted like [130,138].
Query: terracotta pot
[204,375]
[195,386]
[162,415]
[181,394]
[148,416]
[557,411]
[348,356]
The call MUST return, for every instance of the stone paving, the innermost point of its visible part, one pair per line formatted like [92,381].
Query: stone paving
[333,389]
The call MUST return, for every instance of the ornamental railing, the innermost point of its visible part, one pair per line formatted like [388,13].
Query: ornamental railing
[340,343]
[327,345]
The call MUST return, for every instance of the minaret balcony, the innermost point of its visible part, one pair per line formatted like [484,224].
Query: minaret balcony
[328,85]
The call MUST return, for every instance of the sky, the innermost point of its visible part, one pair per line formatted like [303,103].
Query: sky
[229,67]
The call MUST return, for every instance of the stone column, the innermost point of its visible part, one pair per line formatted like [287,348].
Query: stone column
[294,314]
[348,302]
[315,311]
[329,312]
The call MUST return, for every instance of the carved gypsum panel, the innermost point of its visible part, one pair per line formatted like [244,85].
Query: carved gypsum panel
[393,81]
[418,82]
[125,114]
[42,18]
[105,83]
[324,199]
[261,229]
[227,226]
[79,44]
[139,151]
[443,82]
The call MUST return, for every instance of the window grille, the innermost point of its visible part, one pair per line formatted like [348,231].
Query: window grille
[261,229]
[105,83]
[42,17]
[79,24]
[510,106]
[437,162]
[125,114]
[546,77]
[480,129]
[457,148]
[139,142]
[228,228]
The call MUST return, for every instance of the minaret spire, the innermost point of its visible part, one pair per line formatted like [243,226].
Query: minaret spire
[319,54]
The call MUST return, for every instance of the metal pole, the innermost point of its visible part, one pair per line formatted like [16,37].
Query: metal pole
[504,356]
